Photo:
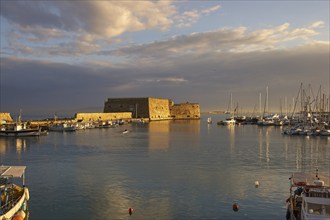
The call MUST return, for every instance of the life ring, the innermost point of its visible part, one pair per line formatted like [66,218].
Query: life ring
[27,194]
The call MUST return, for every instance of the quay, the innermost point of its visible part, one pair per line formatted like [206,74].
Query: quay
[124,109]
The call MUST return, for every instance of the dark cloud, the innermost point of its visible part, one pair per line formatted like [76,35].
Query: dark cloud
[30,13]
[208,80]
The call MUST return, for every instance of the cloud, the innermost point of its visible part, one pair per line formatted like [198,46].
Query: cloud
[224,40]
[316,24]
[188,18]
[207,79]
[164,79]
[102,18]
[211,9]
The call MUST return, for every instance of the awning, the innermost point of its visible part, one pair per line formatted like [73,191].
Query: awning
[302,179]
[14,171]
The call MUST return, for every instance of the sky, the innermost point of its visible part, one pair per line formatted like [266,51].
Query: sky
[66,57]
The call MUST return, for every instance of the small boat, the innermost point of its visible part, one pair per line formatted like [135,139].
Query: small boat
[19,130]
[62,127]
[14,197]
[107,124]
[209,120]
[138,121]
[228,121]
[309,197]
[125,131]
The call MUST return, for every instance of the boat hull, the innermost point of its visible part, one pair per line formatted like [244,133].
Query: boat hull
[21,133]
[17,206]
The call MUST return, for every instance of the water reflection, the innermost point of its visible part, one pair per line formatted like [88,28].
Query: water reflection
[231,132]
[161,132]
[308,152]
[264,139]
[19,145]
[159,135]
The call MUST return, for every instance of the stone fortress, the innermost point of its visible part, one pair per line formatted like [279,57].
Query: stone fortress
[147,108]
[153,108]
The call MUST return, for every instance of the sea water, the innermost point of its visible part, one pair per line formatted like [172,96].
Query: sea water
[164,170]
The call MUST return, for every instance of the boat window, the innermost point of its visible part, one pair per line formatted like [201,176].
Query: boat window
[315,209]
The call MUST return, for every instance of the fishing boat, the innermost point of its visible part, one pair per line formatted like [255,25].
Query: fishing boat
[309,197]
[19,130]
[14,196]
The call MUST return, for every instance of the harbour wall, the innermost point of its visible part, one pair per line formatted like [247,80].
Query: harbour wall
[5,116]
[84,117]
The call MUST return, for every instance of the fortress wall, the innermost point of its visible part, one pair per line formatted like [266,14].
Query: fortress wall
[139,107]
[153,108]
[5,116]
[159,108]
[102,116]
[185,111]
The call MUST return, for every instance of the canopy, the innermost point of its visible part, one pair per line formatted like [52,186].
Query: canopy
[302,179]
[15,171]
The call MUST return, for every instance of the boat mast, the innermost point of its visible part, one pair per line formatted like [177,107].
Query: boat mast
[20,116]
[267,107]
[260,103]
[231,104]
[286,105]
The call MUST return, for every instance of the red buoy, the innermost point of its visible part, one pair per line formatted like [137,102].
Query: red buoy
[235,207]
[130,211]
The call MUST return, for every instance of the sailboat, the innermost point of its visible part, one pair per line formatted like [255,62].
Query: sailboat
[230,120]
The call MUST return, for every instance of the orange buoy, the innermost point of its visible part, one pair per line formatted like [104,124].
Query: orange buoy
[130,211]
[20,215]
[17,217]
[235,207]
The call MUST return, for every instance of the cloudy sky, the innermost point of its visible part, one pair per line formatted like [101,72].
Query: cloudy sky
[70,56]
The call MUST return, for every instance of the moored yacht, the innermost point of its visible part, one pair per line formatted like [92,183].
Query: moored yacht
[228,121]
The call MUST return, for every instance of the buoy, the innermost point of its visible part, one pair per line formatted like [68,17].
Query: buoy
[20,215]
[235,207]
[130,211]
[17,217]
[256,184]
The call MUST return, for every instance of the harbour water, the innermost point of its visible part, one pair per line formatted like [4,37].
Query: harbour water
[164,170]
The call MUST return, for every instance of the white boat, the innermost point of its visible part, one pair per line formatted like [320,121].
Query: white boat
[228,121]
[138,121]
[231,120]
[309,197]
[62,127]
[325,132]
[14,197]
[209,120]
[19,130]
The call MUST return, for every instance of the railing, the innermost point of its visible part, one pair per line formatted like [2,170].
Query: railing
[320,193]
[7,206]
